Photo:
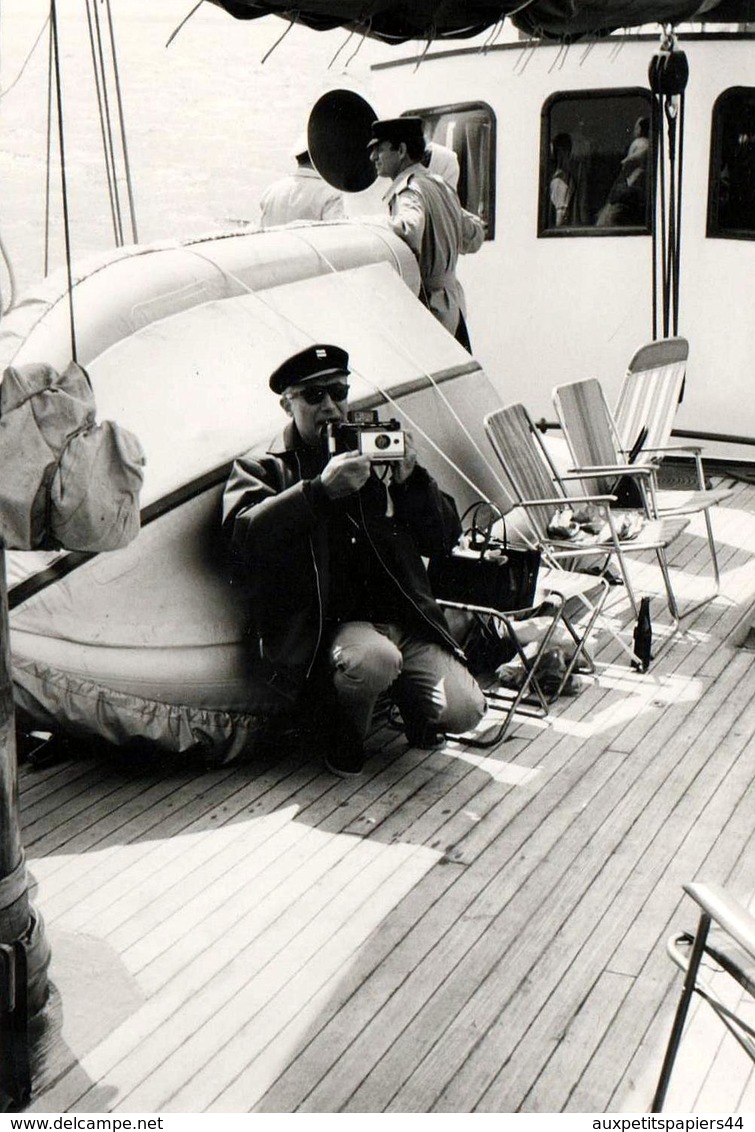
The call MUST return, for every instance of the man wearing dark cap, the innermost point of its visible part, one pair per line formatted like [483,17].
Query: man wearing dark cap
[332,551]
[426,213]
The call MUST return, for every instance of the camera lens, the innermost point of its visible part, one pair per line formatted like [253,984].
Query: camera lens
[382,441]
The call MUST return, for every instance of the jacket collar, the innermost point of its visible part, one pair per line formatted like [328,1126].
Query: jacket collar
[286,441]
[400,182]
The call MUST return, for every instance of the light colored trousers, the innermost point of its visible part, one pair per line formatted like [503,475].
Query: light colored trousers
[431,685]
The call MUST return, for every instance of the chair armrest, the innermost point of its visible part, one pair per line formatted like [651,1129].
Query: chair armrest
[567,500]
[727,912]
[695,448]
[595,470]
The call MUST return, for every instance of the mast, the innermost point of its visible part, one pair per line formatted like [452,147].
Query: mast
[10,833]
[24,954]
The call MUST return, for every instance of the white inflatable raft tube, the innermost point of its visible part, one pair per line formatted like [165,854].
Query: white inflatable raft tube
[149,643]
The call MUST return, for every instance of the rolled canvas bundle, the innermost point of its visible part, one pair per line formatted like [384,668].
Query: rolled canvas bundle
[66,482]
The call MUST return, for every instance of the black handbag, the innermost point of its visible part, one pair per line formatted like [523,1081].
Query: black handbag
[484,570]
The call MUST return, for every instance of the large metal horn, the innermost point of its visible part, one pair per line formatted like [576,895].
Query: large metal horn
[339,128]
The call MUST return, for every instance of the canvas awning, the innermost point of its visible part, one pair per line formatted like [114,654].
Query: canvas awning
[396,21]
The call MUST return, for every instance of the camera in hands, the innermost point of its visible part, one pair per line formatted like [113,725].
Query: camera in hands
[382,441]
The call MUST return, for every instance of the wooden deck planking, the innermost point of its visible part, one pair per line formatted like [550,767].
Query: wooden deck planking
[646,880]
[156,802]
[632,1049]
[568,1052]
[403,982]
[501,918]
[44,780]
[223,1068]
[562,962]
[330,785]
[157,834]
[430,934]
[249,1019]
[356,973]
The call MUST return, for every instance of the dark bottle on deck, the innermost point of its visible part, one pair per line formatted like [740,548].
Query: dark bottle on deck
[643,637]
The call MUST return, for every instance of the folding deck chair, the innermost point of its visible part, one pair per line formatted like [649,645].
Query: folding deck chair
[730,946]
[597,448]
[644,414]
[556,590]
[649,395]
[537,487]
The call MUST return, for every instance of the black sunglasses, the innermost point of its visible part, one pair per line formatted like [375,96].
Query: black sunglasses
[316,394]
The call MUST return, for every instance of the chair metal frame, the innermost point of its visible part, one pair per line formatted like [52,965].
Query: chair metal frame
[735,956]
[539,489]
[555,589]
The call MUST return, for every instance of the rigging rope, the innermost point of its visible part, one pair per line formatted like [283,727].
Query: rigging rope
[99,67]
[122,125]
[369,381]
[11,277]
[668,74]
[185,20]
[4,253]
[66,229]
[292,23]
[49,150]
[105,131]
[10,87]
[530,541]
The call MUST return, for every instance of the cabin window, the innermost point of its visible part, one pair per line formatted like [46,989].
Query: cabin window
[468,128]
[731,194]
[596,163]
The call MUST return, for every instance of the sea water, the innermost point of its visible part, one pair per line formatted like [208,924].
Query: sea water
[210,121]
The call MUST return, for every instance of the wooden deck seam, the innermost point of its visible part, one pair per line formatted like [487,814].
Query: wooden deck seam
[398,1098]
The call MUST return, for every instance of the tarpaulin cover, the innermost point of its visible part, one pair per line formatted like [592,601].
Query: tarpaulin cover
[57,699]
[148,645]
[396,21]
[67,481]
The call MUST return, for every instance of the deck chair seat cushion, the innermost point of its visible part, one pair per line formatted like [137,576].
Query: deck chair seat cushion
[690,502]
[662,531]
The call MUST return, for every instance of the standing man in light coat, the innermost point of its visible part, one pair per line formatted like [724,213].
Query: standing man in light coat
[303,195]
[426,213]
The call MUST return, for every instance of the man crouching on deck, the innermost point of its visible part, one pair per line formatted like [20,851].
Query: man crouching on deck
[333,554]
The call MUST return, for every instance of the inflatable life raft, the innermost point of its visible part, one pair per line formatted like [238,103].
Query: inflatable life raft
[147,643]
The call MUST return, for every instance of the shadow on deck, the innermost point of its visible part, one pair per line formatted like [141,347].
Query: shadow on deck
[455,931]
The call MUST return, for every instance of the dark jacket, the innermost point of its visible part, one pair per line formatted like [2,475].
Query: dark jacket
[277,522]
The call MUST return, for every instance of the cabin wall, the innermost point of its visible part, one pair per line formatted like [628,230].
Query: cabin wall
[549,310]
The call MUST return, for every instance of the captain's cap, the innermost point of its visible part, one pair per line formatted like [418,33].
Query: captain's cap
[396,130]
[315,361]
